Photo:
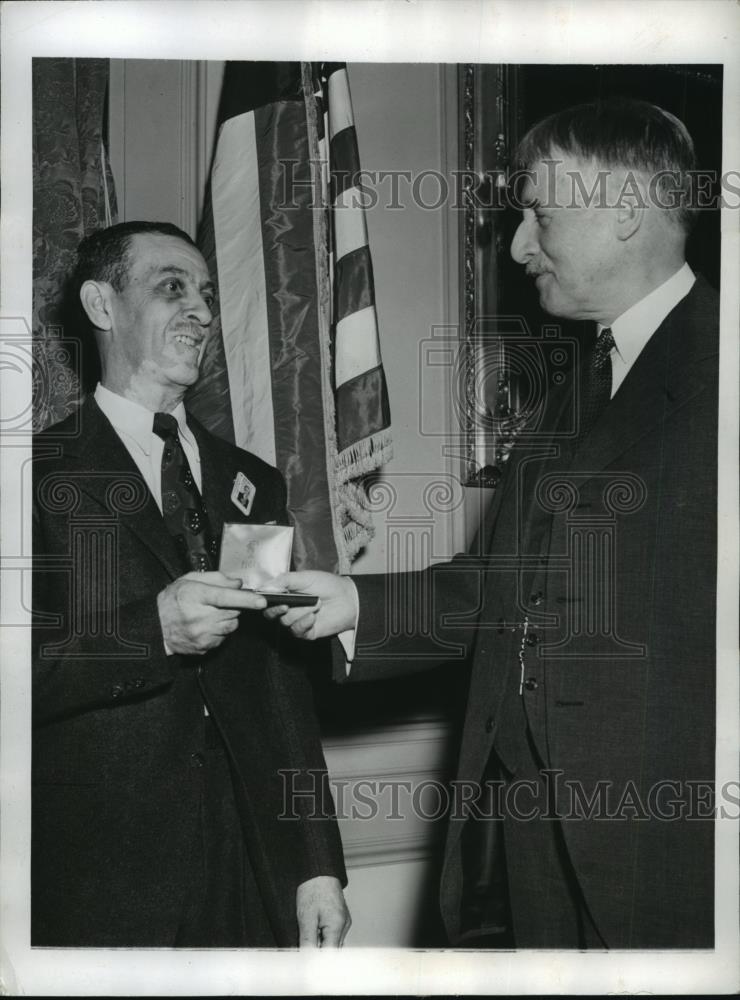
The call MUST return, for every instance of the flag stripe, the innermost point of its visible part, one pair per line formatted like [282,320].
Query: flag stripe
[345,162]
[350,229]
[292,297]
[241,280]
[340,102]
[354,281]
[356,345]
[362,407]
[362,410]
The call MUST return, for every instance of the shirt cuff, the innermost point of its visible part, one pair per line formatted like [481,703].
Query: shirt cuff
[347,638]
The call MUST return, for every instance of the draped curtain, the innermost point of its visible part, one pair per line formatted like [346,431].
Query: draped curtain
[73,195]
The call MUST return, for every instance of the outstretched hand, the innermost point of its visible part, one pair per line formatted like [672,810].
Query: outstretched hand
[335,612]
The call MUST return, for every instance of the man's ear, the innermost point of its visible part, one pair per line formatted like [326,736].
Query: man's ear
[631,206]
[96,299]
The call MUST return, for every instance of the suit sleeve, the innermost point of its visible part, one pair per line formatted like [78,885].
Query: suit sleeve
[412,622]
[88,651]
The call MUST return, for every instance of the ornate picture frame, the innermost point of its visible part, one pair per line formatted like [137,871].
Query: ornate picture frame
[489,127]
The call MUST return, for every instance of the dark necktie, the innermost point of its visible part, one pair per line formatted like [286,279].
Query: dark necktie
[182,507]
[596,381]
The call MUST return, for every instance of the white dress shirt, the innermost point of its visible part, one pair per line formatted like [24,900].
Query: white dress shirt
[631,331]
[133,424]
[634,328]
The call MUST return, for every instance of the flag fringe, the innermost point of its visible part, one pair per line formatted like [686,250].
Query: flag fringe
[355,539]
[354,511]
[356,505]
[364,456]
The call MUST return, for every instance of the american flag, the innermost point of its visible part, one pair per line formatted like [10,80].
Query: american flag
[293,372]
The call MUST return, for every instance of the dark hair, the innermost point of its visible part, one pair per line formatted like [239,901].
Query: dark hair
[104,255]
[622,132]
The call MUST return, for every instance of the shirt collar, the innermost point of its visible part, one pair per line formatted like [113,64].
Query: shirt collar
[135,420]
[633,329]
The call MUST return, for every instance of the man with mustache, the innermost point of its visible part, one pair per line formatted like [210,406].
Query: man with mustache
[587,603]
[165,709]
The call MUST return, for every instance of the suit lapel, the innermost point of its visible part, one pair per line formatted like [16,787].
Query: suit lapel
[217,481]
[112,479]
[663,379]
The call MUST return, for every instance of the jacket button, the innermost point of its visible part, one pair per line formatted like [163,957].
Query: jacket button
[532,639]
[531,684]
[116,691]
[537,598]
[197,760]
[489,724]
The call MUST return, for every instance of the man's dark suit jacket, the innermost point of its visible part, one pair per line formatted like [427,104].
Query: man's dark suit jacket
[619,687]
[118,724]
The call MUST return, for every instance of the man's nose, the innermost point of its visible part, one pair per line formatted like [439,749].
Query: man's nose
[524,245]
[198,309]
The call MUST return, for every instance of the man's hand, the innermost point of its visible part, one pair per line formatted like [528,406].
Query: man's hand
[323,917]
[335,612]
[197,611]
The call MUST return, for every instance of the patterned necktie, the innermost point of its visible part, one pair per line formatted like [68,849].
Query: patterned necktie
[182,507]
[596,381]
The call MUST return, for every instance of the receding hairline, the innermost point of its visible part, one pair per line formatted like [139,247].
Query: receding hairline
[191,247]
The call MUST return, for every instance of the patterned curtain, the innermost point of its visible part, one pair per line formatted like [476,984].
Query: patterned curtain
[73,195]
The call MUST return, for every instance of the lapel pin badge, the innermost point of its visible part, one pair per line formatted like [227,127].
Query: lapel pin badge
[243,493]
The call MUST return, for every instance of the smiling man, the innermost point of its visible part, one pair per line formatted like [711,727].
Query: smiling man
[582,812]
[165,709]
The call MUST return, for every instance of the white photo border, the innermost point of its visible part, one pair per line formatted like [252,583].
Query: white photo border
[510,31]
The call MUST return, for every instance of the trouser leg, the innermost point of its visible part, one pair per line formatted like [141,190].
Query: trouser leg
[520,889]
[223,907]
